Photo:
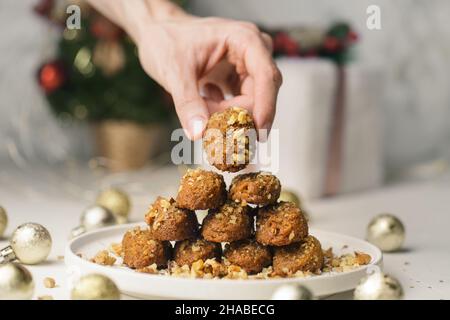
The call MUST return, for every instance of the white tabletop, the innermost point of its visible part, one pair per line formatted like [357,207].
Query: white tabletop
[423,267]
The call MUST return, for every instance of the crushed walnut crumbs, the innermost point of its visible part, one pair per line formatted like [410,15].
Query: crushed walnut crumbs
[213,269]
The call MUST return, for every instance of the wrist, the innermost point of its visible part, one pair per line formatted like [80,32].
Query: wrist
[139,14]
[130,15]
[165,10]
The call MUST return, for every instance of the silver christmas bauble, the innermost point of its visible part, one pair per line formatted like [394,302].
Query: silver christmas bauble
[292,292]
[95,287]
[16,282]
[96,217]
[386,232]
[117,201]
[31,243]
[3,221]
[378,286]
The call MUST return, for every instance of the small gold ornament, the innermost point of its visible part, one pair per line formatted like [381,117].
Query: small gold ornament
[117,201]
[3,221]
[30,244]
[288,195]
[378,286]
[83,62]
[94,217]
[386,232]
[95,287]
[292,292]
[109,56]
[16,282]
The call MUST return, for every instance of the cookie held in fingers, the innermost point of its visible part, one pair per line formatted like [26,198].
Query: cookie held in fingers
[249,255]
[188,251]
[229,139]
[230,222]
[306,256]
[140,250]
[201,190]
[168,222]
[258,188]
[280,224]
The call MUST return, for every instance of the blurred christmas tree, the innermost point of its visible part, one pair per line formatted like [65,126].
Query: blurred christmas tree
[96,74]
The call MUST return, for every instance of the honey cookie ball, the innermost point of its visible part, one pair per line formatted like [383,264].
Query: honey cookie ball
[168,222]
[249,255]
[259,188]
[201,189]
[306,256]
[229,139]
[140,250]
[231,222]
[188,251]
[280,224]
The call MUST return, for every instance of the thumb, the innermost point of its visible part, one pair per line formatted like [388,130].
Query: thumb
[191,107]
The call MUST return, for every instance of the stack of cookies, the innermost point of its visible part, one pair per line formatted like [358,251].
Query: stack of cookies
[246,226]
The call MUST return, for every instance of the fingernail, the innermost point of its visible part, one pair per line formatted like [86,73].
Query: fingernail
[264,131]
[196,126]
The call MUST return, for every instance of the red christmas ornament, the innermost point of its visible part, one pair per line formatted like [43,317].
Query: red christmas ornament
[352,37]
[52,76]
[104,29]
[44,7]
[278,41]
[283,43]
[331,44]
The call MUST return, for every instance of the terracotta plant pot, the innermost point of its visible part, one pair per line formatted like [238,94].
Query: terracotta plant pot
[127,145]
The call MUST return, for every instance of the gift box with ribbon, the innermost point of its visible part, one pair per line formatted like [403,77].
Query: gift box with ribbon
[328,121]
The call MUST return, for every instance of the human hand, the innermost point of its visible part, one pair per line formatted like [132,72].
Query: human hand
[220,57]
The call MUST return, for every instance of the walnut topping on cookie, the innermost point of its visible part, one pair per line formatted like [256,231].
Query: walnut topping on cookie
[229,139]
[302,256]
[200,190]
[141,250]
[258,188]
[168,222]
[280,224]
[189,251]
[231,222]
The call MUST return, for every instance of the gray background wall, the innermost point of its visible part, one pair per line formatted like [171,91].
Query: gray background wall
[412,49]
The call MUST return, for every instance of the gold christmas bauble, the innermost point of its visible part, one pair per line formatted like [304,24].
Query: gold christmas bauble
[3,221]
[16,282]
[31,243]
[378,286]
[97,216]
[292,292]
[117,201]
[95,287]
[386,232]
[290,196]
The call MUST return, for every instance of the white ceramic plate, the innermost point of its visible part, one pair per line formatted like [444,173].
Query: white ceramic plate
[157,286]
